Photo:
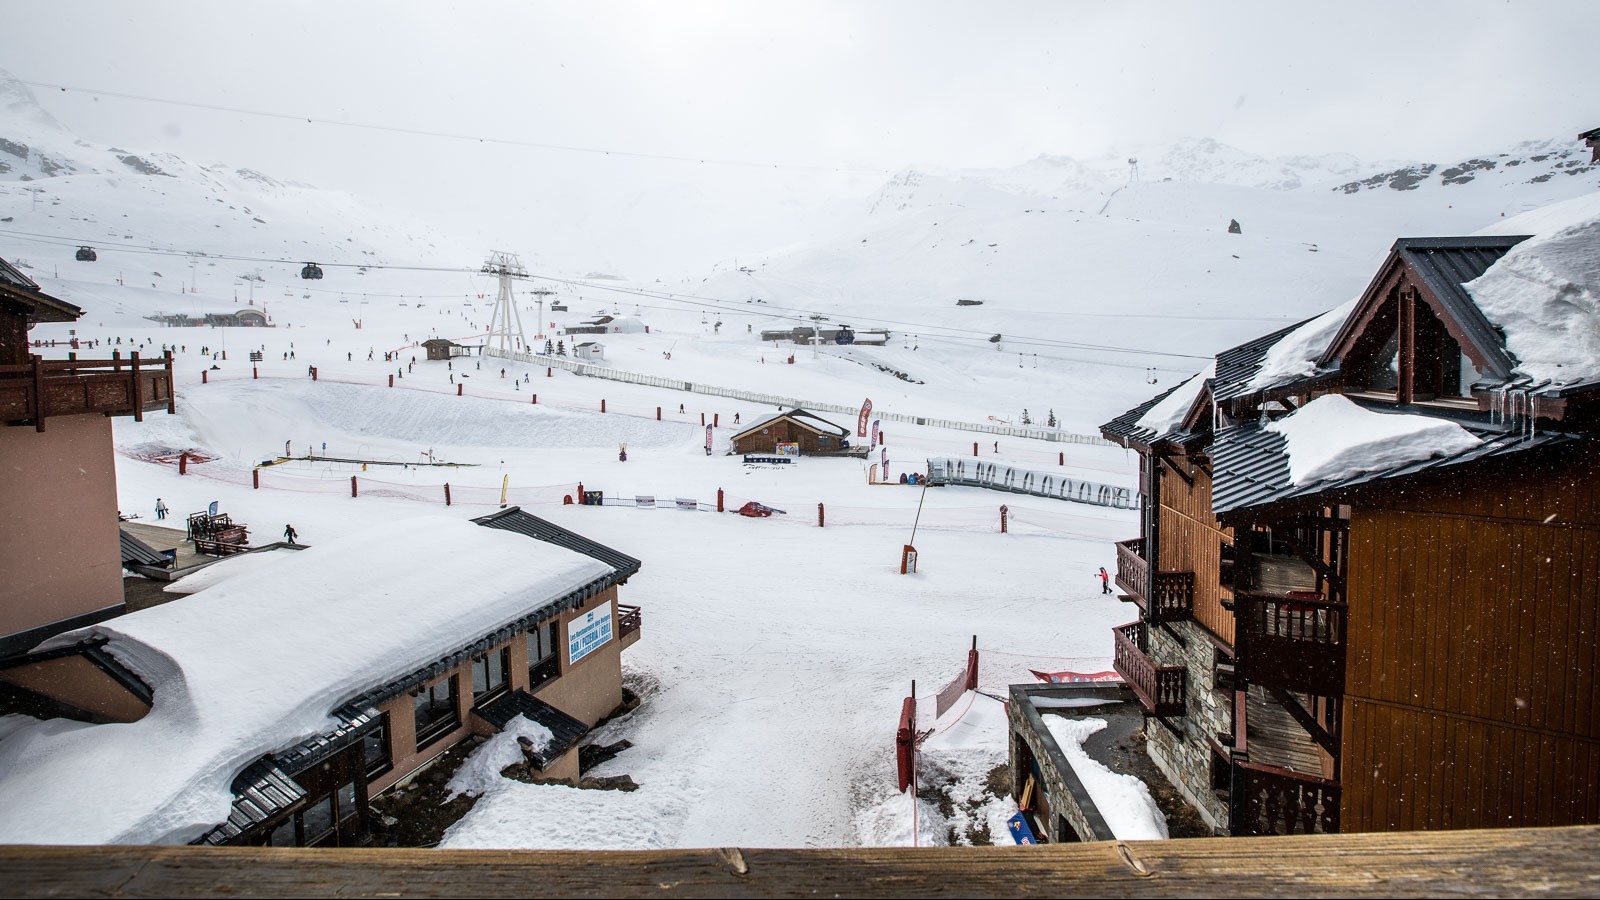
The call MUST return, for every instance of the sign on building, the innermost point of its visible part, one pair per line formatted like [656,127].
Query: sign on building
[588,633]
[787,448]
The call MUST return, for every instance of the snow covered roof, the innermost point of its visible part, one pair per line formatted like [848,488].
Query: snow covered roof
[41,306]
[258,663]
[802,418]
[1161,417]
[1281,358]
[1253,465]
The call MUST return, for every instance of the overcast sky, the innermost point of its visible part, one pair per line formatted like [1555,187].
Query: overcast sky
[875,86]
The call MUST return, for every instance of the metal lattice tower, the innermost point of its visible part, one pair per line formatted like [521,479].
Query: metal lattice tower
[505,335]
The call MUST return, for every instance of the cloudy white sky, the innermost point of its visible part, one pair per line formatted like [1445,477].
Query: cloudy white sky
[786,87]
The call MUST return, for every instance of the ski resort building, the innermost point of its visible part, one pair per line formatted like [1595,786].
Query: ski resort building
[1366,577]
[271,706]
[62,560]
[815,435]
[607,324]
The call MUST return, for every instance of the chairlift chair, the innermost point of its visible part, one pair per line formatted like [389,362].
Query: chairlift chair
[310,271]
[86,254]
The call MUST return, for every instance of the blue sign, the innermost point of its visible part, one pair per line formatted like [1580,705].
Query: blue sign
[212,509]
[588,633]
[1020,831]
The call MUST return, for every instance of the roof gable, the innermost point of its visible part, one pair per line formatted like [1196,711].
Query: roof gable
[798,416]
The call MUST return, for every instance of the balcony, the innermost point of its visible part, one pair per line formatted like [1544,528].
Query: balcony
[1270,800]
[629,620]
[1292,642]
[1173,593]
[32,393]
[1162,690]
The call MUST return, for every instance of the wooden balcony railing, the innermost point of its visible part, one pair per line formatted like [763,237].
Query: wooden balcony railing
[40,389]
[1290,642]
[1173,592]
[1133,572]
[1269,800]
[629,620]
[1162,690]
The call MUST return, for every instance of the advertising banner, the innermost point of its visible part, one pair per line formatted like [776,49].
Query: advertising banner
[708,440]
[1075,677]
[787,448]
[861,423]
[875,430]
[588,633]
[688,503]
[644,501]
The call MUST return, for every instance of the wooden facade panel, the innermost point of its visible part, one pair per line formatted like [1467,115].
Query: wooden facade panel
[1412,770]
[1191,541]
[1502,628]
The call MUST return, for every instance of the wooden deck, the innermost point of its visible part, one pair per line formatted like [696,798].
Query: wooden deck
[1556,862]
[1276,739]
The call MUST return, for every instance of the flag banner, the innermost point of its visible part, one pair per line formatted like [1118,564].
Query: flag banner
[875,430]
[861,423]
[1074,677]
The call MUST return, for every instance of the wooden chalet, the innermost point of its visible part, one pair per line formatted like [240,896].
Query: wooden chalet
[61,554]
[1405,647]
[815,435]
[440,348]
[1591,139]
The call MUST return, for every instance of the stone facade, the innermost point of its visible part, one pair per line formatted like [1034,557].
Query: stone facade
[1186,760]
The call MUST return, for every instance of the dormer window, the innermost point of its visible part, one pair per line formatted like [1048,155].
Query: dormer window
[1408,354]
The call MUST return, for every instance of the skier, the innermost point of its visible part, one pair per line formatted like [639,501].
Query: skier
[161,509]
[997,446]
[735,418]
[1105,581]
[289,534]
[680,409]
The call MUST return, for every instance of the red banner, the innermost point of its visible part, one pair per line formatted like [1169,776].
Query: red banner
[1074,677]
[861,423]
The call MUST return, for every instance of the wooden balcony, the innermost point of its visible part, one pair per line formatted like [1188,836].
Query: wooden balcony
[1270,800]
[1162,690]
[32,393]
[1173,592]
[629,620]
[1289,642]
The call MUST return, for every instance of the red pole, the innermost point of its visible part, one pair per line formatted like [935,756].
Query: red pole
[602,405]
[391,381]
[819,516]
[974,448]
[255,479]
[716,420]
[658,414]
[447,493]
[580,492]
[183,463]
[719,499]
[1003,512]
[535,399]
[1061,458]
[459,388]
[224,356]
[254,372]
[547,372]
[702,418]
[972,665]
[313,373]
[203,374]
[352,485]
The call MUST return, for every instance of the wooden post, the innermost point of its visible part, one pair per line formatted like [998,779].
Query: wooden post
[548,372]
[658,414]
[224,356]
[974,448]
[353,485]
[719,499]
[535,399]
[602,404]
[255,479]
[716,420]
[972,665]
[702,418]
[1003,512]
[1061,458]
[203,374]
[116,360]
[391,381]
[38,392]
[459,388]
[183,463]
[313,373]
[447,493]
[138,390]
[820,521]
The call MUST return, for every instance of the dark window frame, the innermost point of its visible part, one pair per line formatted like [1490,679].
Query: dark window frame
[381,733]
[445,719]
[501,659]
[546,667]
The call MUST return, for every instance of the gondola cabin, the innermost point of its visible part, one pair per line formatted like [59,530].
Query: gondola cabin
[86,254]
[845,336]
[310,271]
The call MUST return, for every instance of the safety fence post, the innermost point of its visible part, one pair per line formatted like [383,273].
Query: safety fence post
[353,486]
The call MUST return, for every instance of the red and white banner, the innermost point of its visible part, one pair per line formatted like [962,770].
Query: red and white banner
[861,423]
[708,439]
[1074,677]
[875,430]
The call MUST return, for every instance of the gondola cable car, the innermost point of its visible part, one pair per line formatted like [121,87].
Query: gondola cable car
[86,254]
[310,271]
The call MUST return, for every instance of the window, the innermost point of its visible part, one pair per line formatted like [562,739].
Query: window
[436,711]
[544,663]
[1383,373]
[317,821]
[375,749]
[490,675]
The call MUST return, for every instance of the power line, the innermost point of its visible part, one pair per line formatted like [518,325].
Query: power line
[456,136]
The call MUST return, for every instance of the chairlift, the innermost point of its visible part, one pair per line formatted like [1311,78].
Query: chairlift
[558,307]
[86,254]
[310,271]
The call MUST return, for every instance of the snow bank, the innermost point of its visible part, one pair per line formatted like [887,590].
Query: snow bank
[1123,800]
[237,673]
[1169,413]
[1295,354]
[1332,438]
[218,572]
[480,774]
[1545,293]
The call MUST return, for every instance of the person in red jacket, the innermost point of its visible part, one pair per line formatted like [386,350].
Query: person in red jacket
[1105,581]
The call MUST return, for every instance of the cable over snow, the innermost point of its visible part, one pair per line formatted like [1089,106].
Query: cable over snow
[1169,413]
[1332,438]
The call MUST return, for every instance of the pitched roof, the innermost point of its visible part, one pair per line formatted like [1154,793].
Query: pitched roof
[1237,366]
[41,306]
[1251,464]
[514,519]
[1122,430]
[565,731]
[798,416]
[137,551]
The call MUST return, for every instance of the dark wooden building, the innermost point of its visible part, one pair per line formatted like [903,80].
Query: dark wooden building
[814,434]
[1408,645]
[439,348]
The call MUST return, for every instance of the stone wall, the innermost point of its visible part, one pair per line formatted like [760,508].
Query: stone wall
[1185,758]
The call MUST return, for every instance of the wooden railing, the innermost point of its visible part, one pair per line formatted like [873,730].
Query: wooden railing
[1293,643]
[1133,572]
[1162,690]
[32,393]
[1174,597]
[629,620]
[1269,800]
